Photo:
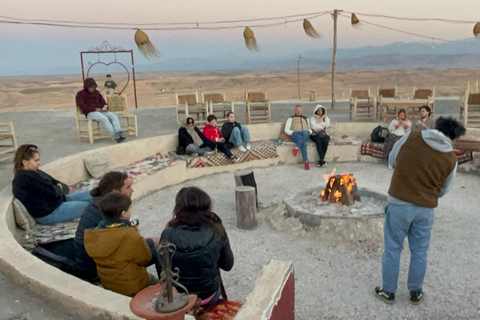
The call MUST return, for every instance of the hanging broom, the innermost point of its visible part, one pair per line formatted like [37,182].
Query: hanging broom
[250,40]
[476,30]
[145,46]
[354,21]
[309,29]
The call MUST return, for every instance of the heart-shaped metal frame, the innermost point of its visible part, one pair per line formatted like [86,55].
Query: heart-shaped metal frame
[107,64]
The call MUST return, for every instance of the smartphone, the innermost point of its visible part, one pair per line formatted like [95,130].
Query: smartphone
[135,222]
[105,107]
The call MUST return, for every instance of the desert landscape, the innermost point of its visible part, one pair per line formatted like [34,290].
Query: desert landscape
[158,89]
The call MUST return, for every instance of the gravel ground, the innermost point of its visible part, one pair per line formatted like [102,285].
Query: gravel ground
[336,281]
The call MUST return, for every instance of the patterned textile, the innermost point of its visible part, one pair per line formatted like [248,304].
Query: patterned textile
[224,311]
[375,149]
[260,150]
[43,233]
[136,171]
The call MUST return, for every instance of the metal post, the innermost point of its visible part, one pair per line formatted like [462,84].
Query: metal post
[134,82]
[298,75]
[83,72]
[334,58]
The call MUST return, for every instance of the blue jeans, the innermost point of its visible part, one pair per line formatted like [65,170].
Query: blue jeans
[300,139]
[108,119]
[76,203]
[239,136]
[415,223]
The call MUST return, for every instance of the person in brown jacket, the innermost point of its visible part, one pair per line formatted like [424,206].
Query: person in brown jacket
[120,252]
[424,169]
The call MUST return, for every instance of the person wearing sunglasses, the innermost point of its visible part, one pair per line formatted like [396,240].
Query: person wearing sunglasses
[48,200]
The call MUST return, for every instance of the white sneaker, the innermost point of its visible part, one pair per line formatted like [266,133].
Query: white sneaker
[249,147]
[390,167]
[242,149]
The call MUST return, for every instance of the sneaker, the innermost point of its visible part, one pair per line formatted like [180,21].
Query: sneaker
[121,134]
[385,296]
[321,163]
[307,165]
[119,139]
[295,151]
[416,296]
[249,147]
[234,159]
[242,149]
[390,167]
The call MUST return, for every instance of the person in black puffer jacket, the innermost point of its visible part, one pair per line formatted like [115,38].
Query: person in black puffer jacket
[202,244]
[111,182]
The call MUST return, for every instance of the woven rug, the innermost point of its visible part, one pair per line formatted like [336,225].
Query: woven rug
[136,170]
[375,149]
[43,233]
[224,311]
[260,150]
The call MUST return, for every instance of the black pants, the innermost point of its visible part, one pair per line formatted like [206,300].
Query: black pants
[223,147]
[322,145]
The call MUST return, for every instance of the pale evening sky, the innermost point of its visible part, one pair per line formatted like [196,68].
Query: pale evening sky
[28,45]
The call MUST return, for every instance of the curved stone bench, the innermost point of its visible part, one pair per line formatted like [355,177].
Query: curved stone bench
[88,300]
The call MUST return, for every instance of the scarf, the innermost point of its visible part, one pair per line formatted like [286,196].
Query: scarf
[196,138]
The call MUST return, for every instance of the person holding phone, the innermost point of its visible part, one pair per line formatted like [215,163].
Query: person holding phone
[93,106]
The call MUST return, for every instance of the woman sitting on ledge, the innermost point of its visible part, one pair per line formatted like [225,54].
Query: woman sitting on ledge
[202,244]
[48,200]
[191,140]
[397,128]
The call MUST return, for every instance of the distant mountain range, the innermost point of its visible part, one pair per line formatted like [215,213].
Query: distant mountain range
[398,55]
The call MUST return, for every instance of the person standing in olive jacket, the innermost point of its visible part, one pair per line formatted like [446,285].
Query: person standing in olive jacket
[202,244]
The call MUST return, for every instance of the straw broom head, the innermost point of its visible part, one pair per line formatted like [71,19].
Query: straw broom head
[145,46]
[309,29]
[476,30]
[250,40]
[355,21]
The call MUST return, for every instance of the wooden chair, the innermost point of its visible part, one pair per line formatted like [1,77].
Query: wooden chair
[8,142]
[471,88]
[363,106]
[258,108]
[217,105]
[93,130]
[425,94]
[385,93]
[187,105]
[470,108]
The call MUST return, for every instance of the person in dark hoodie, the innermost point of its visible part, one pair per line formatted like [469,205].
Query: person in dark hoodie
[120,252]
[233,132]
[48,200]
[319,122]
[113,181]
[202,244]
[424,169]
[93,106]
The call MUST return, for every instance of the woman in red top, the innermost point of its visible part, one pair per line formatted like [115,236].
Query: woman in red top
[212,133]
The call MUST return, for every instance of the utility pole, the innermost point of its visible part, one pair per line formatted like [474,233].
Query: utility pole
[334,57]
[298,75]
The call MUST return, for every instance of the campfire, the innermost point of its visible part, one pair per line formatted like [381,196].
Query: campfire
[340,188]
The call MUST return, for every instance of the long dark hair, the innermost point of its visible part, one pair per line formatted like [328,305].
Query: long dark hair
[193,208]
[24,152]
[112,180]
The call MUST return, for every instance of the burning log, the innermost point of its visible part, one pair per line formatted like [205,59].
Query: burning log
[341,188]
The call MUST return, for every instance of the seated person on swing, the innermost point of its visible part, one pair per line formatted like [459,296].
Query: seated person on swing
[93,106]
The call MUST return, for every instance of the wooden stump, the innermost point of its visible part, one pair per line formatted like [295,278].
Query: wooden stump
[247,178]
[246,207]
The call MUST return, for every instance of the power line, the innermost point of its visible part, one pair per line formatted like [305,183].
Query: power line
[411,19]
[310,15]
[133,27]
